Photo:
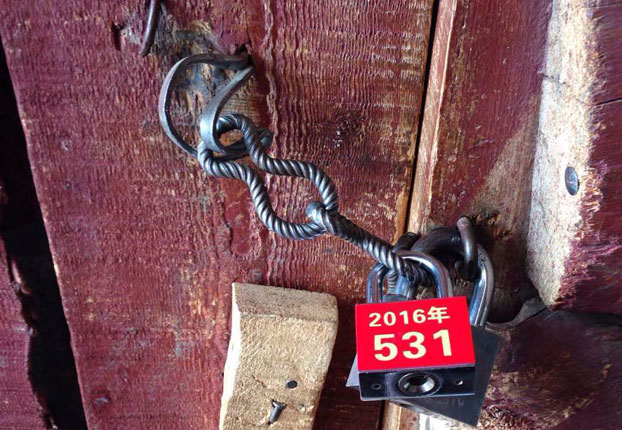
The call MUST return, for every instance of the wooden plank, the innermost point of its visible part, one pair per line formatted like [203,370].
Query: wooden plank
[575,241]
[38,381]
[279,336]
[145,247]
[478,132]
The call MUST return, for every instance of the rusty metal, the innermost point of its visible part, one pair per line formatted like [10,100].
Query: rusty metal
[150,27]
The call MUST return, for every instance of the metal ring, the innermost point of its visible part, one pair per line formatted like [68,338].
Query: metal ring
[208,123]
[164,100]
[375,282]
[483,289]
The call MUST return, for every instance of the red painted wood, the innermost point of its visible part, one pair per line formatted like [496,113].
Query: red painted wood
[592,272]
[567,380]
[145,246]
[478,131]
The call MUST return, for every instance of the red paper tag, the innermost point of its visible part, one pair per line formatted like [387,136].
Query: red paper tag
[414,334]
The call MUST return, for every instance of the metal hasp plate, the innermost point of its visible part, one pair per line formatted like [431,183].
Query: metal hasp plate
[458,381]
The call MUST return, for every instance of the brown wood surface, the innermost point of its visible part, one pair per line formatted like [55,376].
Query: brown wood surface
[556,370]
[575,255]
[145,247]
[567,379]
[478,132]
[478,138]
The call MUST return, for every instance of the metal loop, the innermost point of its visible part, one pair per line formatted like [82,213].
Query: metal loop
[375,282]
[439,273]
[164,101]
[379,273]
[324,216]
[483,289]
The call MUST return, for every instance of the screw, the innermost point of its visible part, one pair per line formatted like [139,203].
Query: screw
[277,408]
[572,180]
[291,384]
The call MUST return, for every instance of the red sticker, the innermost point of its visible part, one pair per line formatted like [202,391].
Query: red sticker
[414,334]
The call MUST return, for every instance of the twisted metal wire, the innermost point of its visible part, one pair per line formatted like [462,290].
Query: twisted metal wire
[324,215]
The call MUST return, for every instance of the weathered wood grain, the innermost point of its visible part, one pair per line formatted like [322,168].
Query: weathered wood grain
[278,336]
[145,246]
[478,133]
[568,380]
[575,241]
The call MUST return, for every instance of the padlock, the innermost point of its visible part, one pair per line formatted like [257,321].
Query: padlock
[465,408]
[400,383]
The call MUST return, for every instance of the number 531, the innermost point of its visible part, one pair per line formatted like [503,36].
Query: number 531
[416,348]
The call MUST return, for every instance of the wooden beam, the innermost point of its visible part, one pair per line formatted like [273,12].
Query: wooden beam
[571,239]
[575,241]
[145,247]
[478,132]
[279,336]
[536,387]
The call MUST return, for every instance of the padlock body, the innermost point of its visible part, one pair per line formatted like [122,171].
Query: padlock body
[465,408]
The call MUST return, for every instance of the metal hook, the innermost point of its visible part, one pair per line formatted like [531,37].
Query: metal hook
[468,269]
[151,27]
[164,101]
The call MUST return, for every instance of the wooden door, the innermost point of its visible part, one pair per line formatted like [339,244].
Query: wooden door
[420,110]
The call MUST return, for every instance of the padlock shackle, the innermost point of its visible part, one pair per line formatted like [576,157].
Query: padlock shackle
[483,289]
[375,281]
[440,274]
